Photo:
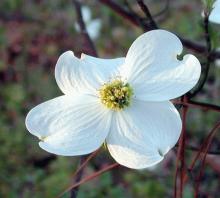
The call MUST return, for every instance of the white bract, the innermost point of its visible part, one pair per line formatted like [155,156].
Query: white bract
[123,102]
[93,26]
[215,13]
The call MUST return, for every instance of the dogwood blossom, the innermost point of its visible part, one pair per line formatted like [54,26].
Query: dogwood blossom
[215,13]
[123,102]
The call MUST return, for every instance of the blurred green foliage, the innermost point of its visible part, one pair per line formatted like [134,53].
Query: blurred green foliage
[32,36]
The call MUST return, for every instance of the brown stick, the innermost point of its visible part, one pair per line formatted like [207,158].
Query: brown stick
[181,154]
[90,177]
[208,144]
[203,149]
[92,50]
[195,104]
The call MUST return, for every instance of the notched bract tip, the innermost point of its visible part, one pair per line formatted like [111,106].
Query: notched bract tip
[42,138]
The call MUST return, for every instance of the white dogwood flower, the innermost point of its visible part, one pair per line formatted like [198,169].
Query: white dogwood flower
[215,13]
[123,102]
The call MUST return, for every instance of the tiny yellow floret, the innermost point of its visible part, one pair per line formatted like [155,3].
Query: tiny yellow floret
[116,95]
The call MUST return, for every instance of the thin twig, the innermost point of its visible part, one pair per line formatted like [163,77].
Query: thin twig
[81,23]
[146,11]
[164,10]
[182,170]
[141,21]
[90,177]
[196,104]
[194,148]
[181,154]
[208,57]
[79,174]
[212,134]
[203,149]
[162,15]
[84,160]
[195,46]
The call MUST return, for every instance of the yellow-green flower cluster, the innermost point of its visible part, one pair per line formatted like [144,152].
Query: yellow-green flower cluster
[116,95]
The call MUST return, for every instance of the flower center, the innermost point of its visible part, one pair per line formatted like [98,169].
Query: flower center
[116,95]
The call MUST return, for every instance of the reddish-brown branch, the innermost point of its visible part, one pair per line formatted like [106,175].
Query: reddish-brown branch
[208,144]
[195,149]
[146,11]
[181,154]
[195,104]
[82,166]
[121,11]
[182,168]
[79,172]
[203,149]
[92,50]
[200,151]
[135,20]
[90,177]
[164,10]
[206,66]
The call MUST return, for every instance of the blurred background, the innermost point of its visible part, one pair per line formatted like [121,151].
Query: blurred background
[33,33]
